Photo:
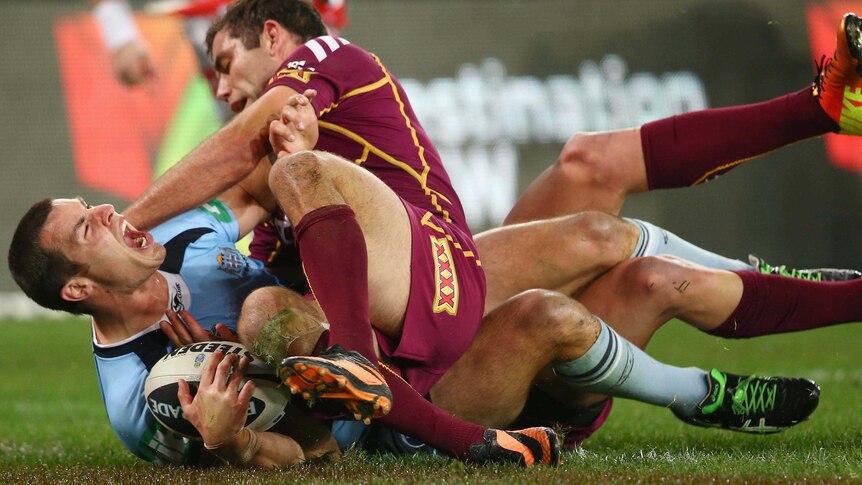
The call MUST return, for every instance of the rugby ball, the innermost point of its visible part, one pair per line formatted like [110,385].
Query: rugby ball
[160,389]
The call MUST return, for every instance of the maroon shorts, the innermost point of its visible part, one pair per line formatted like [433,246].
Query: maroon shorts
[574,434]
[446,304]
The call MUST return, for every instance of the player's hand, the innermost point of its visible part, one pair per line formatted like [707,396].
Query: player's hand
[219,408]
[132,64]
[183,329]
[296,128]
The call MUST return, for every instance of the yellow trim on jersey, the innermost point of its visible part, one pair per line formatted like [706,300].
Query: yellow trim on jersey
[422,178]
[426,221]
[390,159]
[726,166]
[362,158]
[421,150]
[360,90]
[327,109]
[365,89]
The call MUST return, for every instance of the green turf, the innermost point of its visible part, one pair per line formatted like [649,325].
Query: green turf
[54,428]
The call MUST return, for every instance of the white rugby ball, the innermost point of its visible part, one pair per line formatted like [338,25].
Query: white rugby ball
[160,390]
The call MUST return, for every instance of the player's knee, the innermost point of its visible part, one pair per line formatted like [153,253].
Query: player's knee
[597,237]
[583,160]
[297,174]
[555,319]
[661,279]
[256,309]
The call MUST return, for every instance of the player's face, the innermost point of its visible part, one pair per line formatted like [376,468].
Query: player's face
[242,73]
[114,253]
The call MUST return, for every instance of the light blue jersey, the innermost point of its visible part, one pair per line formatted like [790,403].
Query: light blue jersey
[207,276]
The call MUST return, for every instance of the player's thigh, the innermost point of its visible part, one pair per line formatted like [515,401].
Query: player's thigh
[386,227]
[562,254]
[308,180]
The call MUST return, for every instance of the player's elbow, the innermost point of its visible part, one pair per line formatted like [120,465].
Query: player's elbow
[244,150]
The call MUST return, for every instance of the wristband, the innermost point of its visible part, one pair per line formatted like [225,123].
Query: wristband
[116,23]
[251,447]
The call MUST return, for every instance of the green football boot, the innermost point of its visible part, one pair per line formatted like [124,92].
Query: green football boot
[754,404]
[814,274]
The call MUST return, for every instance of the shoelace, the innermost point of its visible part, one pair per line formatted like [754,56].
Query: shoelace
[802,274]
[799,274]
[753,395]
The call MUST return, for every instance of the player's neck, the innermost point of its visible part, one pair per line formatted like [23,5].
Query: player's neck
[122,315]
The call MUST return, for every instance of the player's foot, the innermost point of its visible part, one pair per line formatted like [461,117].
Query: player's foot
[342,376]
[526,447]
[753,404]
[838,84]
[814,274]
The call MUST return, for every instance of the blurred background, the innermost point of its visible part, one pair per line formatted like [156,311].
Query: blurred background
[499,85]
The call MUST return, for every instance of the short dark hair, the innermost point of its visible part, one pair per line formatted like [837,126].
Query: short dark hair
[39,271]
[244,20]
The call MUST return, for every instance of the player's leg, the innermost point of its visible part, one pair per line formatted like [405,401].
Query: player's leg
[561,254]
[566,253]
[276,322]
[594,171]
[520,338]
[658,289]
[548,329]
[731,304]
[539,329]
[354,238]
[692,148]
[341,210]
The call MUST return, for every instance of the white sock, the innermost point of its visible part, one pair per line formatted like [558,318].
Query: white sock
[615,367]
[654,240]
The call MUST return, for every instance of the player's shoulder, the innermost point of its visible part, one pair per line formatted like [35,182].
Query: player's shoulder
[211,218]
[325,50]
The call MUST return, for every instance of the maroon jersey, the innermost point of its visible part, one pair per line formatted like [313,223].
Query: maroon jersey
[364,116]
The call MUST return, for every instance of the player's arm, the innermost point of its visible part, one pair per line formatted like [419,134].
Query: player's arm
[130,58]
[296,129]
[218,411]
[250,200]
[217,164]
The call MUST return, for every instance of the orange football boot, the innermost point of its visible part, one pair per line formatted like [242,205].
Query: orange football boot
[526,447]
[340,376]
[838,84]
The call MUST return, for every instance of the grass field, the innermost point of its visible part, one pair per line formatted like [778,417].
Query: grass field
[54,428]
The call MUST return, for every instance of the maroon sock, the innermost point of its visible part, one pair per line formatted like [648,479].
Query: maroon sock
[773,304]
[335,260]
[691,148]
[413,415]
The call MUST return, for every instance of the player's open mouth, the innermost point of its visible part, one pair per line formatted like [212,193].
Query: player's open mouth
[136,239]
[238,106]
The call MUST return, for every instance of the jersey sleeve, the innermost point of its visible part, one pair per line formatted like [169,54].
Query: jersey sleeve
[213,215]
[331,66]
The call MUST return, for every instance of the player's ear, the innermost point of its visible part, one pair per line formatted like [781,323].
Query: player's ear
[271,35]
[78,288]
